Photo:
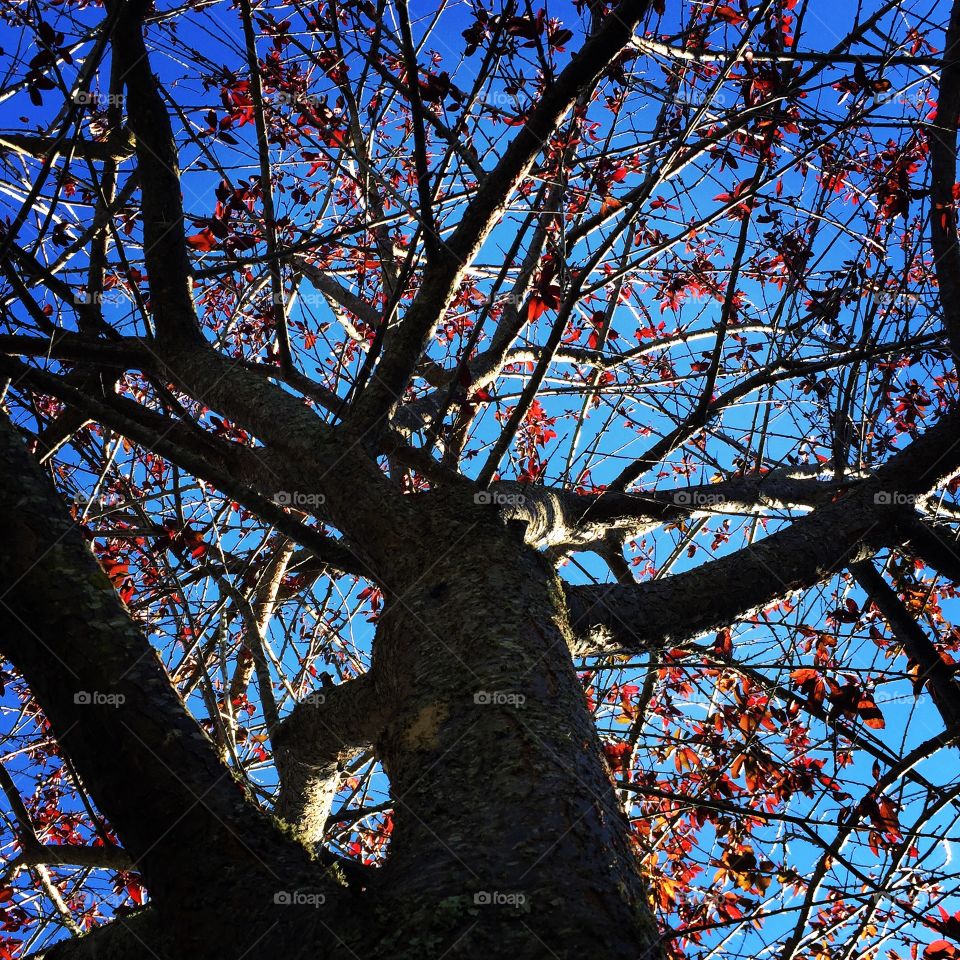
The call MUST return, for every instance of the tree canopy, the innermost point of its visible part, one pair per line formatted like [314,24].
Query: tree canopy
[358,339]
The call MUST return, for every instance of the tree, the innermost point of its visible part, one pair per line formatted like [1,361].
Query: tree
[480,482]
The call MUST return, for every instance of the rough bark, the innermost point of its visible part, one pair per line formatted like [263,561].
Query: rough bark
[943,166]
[314,743]
[508,836]
[937,545]
[563,519]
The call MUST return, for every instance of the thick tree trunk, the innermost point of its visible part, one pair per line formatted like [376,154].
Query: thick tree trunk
[508,837]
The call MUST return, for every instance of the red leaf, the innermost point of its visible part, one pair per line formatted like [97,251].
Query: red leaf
[948,925]
[203,241]
[535,308]
[940,950]
[723,643]
[870,712]
[729,14]
[617,755]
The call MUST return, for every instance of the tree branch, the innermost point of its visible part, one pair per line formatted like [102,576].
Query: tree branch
[936,544]
[164,246]
[648,45]
[564,519]
[117,147]
[943,167]
[617,618]
[431,237]
[313,745]
[933,671]
[281,332]
[137,936]
[441,280]
[99,682]
[340,294]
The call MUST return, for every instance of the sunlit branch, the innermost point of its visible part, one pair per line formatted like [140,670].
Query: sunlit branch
[315,742]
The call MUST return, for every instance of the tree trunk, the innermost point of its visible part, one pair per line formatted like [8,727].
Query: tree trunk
[508,836]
